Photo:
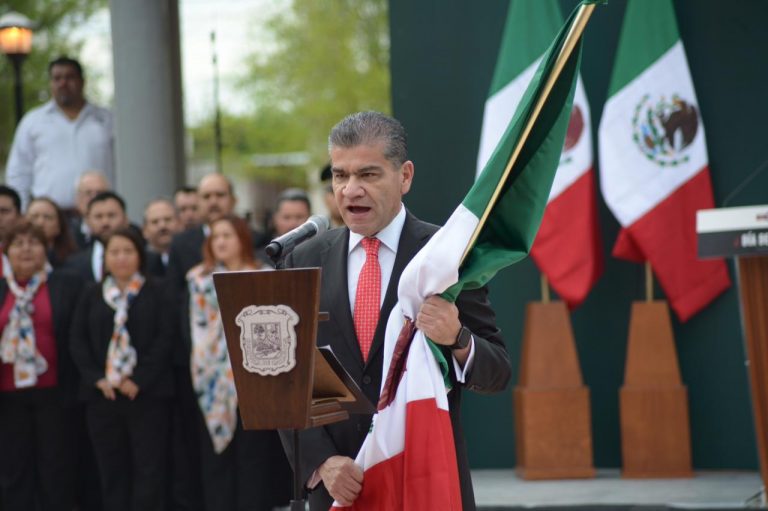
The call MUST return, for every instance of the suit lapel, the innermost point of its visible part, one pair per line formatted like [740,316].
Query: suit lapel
[337,293]
[412,238]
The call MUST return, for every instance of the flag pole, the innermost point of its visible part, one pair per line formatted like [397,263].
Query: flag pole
[575,32]
[545,298]
[648,282]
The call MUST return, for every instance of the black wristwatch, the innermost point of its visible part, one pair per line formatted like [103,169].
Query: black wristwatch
[462,340]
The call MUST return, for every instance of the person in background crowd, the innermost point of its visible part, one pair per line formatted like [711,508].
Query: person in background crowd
[38,380]
[291,210]
[45,214]
[216,199]
[57,142]
[105,214]
[186,202]
[240,469]
[121,344]
[334,215]
[10,212]
[160,224]
[89,185]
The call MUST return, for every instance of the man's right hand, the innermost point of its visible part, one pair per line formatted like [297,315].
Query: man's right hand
[342,478]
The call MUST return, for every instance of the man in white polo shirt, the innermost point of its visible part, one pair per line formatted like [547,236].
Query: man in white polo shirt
[60,140]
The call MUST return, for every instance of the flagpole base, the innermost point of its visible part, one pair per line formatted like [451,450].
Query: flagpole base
[653,402]
[553,427]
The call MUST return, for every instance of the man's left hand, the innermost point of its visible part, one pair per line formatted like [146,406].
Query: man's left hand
[439,320]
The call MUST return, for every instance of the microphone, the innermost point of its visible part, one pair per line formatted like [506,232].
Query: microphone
[284,245]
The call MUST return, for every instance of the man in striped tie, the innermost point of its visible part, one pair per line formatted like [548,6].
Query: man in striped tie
[361,264]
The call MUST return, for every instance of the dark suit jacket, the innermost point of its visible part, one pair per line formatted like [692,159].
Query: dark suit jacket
[490,371]
[149,326]
[64,289]
[155,265]
[80,263]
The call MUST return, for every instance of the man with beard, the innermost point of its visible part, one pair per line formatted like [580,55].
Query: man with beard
[105,213]
[60,140]
[161,222]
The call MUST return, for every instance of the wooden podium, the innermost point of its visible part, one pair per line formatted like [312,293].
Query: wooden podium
[283,380]
[743,233]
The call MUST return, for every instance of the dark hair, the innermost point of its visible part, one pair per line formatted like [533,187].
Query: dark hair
[105,196]
[136,240]
[293,194]
[7,191]
[243,235]
[368,128]
[66,61]
[63,244]
[21,227]
[185,189]
[325,173]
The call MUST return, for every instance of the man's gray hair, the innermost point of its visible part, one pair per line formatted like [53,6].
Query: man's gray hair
[369,128]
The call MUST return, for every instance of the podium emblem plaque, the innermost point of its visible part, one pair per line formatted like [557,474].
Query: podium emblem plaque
[268,338]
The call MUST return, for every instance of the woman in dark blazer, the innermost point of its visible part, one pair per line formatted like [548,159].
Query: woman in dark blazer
[49,217]
[38,415]
[121,343]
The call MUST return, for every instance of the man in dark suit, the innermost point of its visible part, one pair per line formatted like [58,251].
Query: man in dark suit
[161,222]
[105,213]
[371,173]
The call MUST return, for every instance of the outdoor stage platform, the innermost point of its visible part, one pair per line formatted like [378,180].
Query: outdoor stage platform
[502,490]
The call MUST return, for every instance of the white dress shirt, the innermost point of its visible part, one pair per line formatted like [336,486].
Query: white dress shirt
[97,260]
[50,152]
[390,240]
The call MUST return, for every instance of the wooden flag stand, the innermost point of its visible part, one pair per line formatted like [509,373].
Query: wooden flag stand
[553,428]
[283,380]
[655,430]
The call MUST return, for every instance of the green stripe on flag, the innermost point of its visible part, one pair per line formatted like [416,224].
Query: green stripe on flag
[639,47]
[513,59]
[512,225]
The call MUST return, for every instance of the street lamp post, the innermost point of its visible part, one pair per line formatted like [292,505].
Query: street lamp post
[16,43]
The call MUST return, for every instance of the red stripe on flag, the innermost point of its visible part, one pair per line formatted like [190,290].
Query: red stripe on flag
[424,476]
[666,236]
[568,248]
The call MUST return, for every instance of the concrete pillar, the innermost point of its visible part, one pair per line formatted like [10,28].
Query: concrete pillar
[149,127]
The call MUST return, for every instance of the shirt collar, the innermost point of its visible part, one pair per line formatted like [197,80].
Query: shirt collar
[389,236]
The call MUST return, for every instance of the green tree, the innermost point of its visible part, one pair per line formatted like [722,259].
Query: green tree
[52,37]
[328,58]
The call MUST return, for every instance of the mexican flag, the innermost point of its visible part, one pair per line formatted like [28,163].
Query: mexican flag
[409,455]
[567,249]
[653,158]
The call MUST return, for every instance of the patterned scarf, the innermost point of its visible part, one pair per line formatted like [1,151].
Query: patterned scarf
[17,344]
[121,356]
[212,376]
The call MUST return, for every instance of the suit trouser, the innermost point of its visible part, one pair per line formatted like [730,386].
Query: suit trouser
[251,474]
[130,441]
[38,446]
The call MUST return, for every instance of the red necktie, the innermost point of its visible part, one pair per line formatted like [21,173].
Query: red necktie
[367,296]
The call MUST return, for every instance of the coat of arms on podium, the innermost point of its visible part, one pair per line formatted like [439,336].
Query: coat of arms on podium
[268,338]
